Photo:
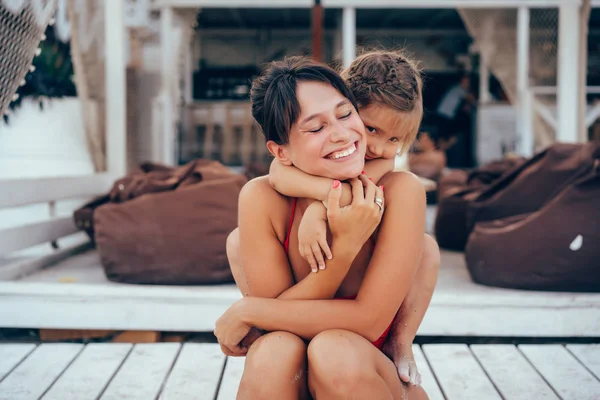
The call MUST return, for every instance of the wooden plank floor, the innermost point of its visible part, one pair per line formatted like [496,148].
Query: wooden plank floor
[199,371]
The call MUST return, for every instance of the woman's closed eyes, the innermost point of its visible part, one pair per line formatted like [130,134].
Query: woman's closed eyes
[343,117]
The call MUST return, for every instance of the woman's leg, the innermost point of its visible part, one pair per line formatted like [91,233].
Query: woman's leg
[235,261]
[411,313]
[275,368]
[344,365]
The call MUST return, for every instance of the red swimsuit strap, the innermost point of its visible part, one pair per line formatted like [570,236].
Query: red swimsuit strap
[286,244]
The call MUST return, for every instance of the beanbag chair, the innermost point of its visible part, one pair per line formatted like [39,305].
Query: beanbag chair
[526,188]
[169,227]
[555,248]
[456,190]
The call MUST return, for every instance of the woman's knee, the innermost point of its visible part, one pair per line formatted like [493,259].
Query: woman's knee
[276,353]
[275,364]
[336,362]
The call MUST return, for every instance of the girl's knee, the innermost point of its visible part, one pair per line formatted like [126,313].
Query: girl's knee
[232,245]
[431,258]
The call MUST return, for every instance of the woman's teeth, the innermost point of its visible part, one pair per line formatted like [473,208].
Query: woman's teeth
[344,153]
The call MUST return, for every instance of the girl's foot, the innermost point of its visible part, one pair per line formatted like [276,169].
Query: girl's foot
[404,360]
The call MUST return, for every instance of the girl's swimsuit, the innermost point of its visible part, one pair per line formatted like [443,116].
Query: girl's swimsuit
[286,244]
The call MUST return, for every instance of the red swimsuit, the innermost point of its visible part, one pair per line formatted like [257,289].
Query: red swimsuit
[286,244]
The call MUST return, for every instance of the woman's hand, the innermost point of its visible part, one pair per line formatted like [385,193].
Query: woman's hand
[354,224]
[230,330]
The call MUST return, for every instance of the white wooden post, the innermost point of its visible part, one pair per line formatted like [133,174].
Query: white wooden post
[167,142]
[116,87]
[568,69]
[484,81]
[349,35]
[525,137]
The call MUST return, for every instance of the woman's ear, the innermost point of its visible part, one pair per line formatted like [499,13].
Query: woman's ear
[280,152]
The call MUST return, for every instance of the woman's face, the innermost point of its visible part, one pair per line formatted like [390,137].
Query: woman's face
[328,139]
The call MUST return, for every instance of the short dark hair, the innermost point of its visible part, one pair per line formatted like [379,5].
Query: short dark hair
[275,104]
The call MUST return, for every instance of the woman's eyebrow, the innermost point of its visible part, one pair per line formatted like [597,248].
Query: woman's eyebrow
[315,115]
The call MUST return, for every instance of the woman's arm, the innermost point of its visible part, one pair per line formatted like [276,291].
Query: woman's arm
[265,263]
[292,182]
[385,285]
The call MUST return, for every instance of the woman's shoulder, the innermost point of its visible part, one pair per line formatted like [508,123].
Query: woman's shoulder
[260,193]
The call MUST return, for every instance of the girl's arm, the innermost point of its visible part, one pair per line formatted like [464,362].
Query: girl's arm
[292,182]
[377,169]
[265,263]
[385,285]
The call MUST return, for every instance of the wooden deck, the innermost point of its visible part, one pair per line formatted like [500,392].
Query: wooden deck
[199,371]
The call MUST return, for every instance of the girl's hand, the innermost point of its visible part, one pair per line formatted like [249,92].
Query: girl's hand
[230,330]
[312,236]
[354,224]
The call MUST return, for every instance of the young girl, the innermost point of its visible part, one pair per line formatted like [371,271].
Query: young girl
[387,87]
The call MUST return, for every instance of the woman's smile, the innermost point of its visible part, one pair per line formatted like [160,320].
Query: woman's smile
[343,154]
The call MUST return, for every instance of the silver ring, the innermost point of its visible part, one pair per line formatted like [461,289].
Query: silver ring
[379,202]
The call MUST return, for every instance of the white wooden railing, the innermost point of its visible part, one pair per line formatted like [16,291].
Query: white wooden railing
[22,192]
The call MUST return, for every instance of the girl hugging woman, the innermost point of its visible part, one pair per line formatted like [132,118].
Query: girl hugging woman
[336,276]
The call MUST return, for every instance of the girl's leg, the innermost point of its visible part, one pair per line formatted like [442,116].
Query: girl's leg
[344,365]
[411,313]
[275,368]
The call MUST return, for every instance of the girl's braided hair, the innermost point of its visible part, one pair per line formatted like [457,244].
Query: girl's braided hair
[388,78]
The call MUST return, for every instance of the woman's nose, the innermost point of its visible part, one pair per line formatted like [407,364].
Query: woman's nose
[340,134]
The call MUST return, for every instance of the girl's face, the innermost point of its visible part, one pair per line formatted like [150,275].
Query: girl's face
[329,138]
[387,130]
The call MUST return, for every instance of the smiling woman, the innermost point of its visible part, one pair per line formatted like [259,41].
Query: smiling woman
[311,121]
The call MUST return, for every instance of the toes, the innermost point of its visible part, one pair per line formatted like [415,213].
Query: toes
[404,371]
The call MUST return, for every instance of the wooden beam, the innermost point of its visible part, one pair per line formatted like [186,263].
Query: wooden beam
[23,237]
[349,35]
[21,192]
[525,138]
[568,70]
[317,30]
[116,104]
[167,139]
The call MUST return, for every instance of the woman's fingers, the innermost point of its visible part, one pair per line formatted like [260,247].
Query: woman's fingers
[370,189]
[358,193]
[318,254]
[379,198]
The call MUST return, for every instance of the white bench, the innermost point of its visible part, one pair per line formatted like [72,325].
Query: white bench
[67,289]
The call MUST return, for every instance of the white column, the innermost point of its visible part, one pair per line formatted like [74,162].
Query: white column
[116,88]
[568,69]
[349,35]
[166,141]
[525,139]
[484,81]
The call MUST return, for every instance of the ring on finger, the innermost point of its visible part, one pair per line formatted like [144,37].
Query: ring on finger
[379,202]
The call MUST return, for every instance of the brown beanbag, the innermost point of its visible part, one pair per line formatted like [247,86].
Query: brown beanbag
[555,248]
[526,188]
[170,235]
[455,191]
